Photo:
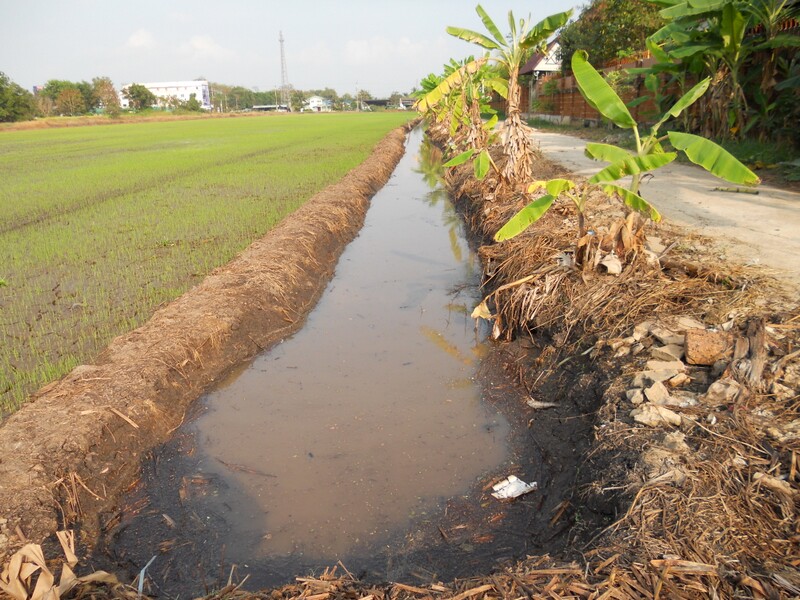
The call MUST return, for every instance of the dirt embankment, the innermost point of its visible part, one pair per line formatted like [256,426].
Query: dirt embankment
[71,450]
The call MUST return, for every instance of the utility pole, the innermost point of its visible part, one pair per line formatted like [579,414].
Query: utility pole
[285,99]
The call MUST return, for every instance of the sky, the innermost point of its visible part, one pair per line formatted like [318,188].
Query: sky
[381,46]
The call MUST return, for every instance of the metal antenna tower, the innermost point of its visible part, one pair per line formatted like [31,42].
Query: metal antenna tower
[285,87]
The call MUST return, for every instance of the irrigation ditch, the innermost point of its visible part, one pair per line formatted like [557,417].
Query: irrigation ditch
[686,491]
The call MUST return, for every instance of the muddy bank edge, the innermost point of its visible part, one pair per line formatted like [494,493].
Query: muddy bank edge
[76,445]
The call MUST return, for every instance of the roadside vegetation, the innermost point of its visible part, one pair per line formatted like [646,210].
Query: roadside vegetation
[101,225]
[569,271]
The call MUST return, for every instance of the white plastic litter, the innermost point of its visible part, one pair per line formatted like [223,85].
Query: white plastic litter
[512,487]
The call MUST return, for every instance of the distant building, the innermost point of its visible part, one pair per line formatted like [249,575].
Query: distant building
[543,63]
[317,104]
[168,91]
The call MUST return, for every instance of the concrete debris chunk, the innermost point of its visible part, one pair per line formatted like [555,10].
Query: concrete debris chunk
[670,352]
[657,393]
[653,415]
[654,244]
[683,323]
[679,380]
[666,365]
[723,391]
[645,379]
[682,400]
[666,336]
[641,330]
[706,347]
[635,396]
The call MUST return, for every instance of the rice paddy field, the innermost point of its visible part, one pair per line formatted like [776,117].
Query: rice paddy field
[99,226]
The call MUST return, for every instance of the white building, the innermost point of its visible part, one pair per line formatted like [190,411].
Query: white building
[316,104]
[174,90]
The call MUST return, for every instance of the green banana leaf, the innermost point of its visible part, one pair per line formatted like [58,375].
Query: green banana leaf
[633,165]
[598,93]
[499,85]
[545,28]
[691,8]
[554,187]
[512,25]
[448,84]
[489,24]
[459,159]
[635,201]
[606,152]
[782,40]
[713,158]
[685,101]
[473,37]
[481,164]
[732,29]
[524,218]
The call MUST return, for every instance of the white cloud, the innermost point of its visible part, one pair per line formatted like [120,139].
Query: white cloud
[141,38]
[203,47]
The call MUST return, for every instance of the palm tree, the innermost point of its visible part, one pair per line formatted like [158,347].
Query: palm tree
[509,54]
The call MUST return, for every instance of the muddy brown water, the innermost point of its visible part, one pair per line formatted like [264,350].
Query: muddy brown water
[335,443]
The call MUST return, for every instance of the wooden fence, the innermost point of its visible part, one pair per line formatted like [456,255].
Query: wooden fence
[558,98]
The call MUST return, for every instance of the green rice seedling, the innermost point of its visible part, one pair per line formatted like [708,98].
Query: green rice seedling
[101,225]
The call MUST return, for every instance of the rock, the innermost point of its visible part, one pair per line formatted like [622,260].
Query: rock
[705,347]
[622,351]
[654,244]
[676,442]
[645,379]
[657,393]
[683,323]
[641,330]
[655,416]
[635,395]
[670,352]
[666,336]
[682,400]
[637,348]
[666,365]
[723,391]
[679,380]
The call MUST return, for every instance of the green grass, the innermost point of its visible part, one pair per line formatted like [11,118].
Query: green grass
[101,225]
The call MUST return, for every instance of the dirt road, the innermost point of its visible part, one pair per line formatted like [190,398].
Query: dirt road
[761,229]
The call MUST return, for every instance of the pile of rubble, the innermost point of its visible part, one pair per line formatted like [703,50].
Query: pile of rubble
[693,372]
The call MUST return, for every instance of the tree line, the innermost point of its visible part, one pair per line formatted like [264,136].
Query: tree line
[72,98]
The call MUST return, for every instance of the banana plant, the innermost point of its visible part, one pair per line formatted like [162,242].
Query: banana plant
[508,53]
[460,98]
[648,156]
